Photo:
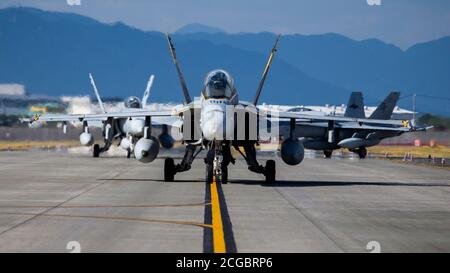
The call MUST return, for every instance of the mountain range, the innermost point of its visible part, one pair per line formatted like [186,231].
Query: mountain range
[52,53]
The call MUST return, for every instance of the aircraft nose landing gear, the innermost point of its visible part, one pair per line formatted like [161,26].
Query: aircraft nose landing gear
[217,161]
[218,168]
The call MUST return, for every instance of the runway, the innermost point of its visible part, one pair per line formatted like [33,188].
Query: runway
[114,204]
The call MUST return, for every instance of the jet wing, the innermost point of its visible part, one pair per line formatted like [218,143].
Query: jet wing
[106,116]
[54,117]
[371,127]
[317,118]
[131,114]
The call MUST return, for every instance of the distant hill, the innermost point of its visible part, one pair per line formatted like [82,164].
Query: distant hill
[198,28]
[52,53]
[371,66]
[439,123]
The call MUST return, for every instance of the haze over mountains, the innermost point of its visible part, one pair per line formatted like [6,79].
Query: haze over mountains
[52,53]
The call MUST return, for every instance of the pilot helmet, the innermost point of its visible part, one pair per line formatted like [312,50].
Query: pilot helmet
[133,102]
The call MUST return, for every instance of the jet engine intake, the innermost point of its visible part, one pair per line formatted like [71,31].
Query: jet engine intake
[166,140]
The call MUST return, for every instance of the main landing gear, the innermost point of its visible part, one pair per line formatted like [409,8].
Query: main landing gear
[97,150]
[361,152]
[109,134]
[216,162]
[269,171]
[327,153]
[170,169]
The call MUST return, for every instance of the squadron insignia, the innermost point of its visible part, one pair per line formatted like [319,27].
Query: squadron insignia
[405,123]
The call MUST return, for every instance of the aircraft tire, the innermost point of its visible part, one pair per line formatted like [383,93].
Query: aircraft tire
[96,150]
[169,169]
[224,177]
[209,174]
[362,152]
[327,153]
[270,171]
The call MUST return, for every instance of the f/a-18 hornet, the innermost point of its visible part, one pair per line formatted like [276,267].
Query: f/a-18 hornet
[126,130]
[349,135]
[218,122]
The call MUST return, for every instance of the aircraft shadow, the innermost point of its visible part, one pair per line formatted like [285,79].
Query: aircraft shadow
[152,180]
[290,183]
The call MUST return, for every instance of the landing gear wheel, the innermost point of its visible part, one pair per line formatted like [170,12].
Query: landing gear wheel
[327,153]
[270,171]
[209,173]
[224,177]
[169,169]
[96,151]
[128,153]
[362,153]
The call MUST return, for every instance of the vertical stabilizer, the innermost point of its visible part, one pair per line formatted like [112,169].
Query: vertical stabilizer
[355,106]
[386,108]
[147,91]
[100,102]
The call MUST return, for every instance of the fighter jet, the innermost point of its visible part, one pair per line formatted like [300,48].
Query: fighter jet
[127,130]
[219,122]
[348,134]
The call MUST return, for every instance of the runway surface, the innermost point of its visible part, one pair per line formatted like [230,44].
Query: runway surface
[114,204]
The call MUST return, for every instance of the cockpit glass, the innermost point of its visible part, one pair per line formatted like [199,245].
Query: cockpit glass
[133,102]
[218,85]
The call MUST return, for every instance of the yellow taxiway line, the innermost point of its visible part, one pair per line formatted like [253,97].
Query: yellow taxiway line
[218,235]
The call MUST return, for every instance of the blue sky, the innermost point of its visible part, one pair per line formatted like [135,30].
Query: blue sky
[401,22]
